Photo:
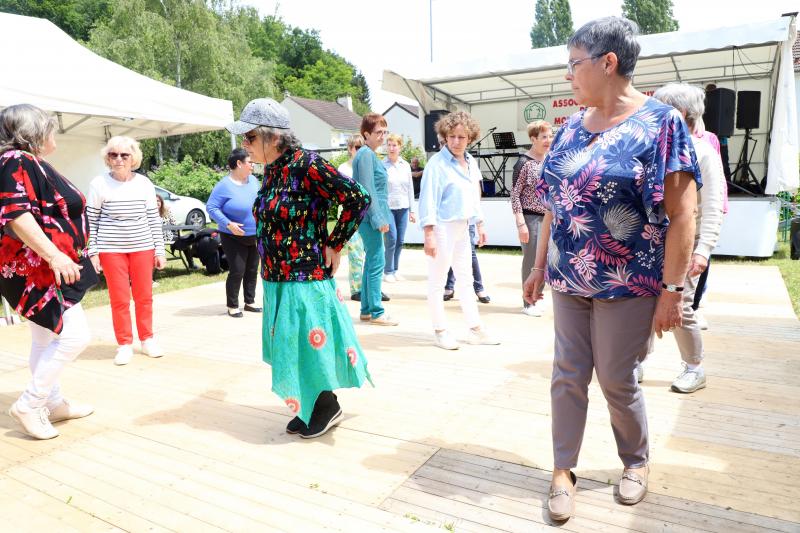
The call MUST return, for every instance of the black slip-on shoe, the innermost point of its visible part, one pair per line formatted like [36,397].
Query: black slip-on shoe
[327,413]
[252,308]
[384,297]
[295,425]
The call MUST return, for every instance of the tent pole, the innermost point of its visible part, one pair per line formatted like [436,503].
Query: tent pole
[233,141]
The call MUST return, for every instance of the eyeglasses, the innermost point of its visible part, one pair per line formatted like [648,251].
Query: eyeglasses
[381,133]
[115,155]
[250,138]
[572,62]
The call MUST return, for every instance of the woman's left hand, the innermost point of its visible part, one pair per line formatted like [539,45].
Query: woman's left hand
[332,258]
[482,237]
[412,217]
[698,265]
[160,262]
[668,312]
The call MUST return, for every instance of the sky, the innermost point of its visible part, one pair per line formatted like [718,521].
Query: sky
[378,34]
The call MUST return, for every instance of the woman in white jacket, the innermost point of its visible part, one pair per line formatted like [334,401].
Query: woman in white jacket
[689,101]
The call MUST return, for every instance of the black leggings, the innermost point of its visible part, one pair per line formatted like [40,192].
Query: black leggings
[242,256]
[701,286]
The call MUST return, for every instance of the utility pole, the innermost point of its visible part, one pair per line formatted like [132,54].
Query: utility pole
[430,18]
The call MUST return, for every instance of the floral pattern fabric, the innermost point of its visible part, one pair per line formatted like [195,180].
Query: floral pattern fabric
[523,194]
[606,193]
[30,185]
[291,212]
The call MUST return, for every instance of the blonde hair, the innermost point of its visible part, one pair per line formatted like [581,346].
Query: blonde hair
[120,141]
[395,138]
[536,127]
[355,142]
[449,122]
[25,127]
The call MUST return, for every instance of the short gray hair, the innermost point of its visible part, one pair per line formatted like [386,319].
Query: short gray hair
[287,140]
[610,34]
[25,127]
[121,141]
[686,98]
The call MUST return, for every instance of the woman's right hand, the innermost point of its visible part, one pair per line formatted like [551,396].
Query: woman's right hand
[524,236]
[384,228]
[533,288]
[236,228]
[95,259]
[430,244]
[64,269]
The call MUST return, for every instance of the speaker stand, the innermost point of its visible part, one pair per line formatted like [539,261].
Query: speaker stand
[743,174]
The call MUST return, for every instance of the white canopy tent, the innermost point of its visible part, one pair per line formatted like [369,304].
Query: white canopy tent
[92,97]
[508,92]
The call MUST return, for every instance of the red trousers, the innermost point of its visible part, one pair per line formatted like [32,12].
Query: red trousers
[125,272]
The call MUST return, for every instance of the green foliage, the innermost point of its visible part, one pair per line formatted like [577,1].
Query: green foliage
[186,178]
[409,151]
[337,158]
[75,17]
[652,16]
[553,25]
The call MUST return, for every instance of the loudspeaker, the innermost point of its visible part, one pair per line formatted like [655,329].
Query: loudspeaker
[748,110]
[431,141]
[720,105]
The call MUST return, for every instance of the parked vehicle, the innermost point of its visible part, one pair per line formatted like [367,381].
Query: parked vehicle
[184,209]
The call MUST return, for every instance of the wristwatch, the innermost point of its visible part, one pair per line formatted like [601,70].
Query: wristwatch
[671,288]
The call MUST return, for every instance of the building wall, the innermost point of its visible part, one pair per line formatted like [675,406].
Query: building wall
[311,130]
[404,123]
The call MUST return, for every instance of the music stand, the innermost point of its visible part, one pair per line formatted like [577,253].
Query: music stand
[504,140]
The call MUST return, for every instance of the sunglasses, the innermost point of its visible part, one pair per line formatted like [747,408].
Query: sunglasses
[114,155]
[250,137]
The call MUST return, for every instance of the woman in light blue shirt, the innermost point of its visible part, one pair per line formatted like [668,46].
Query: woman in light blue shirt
[449,201]
[231,207]
[401,204]
[368,171]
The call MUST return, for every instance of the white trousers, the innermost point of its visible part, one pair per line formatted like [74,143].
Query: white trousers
[452,250]
[49,355]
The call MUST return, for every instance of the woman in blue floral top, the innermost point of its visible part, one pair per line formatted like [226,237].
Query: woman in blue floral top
[620,184]
[308,337]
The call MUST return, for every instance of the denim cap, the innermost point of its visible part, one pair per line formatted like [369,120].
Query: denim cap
[260,112]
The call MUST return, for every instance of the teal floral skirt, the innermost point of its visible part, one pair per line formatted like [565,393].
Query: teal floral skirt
[310,342]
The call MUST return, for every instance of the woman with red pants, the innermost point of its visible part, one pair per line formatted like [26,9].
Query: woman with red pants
[126,242]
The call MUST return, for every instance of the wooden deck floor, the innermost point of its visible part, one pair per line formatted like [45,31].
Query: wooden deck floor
[457,440]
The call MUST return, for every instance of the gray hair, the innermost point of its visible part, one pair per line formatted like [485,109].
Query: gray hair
[610,34]
[25,127]
[686,98]
[128,143]
[287,140]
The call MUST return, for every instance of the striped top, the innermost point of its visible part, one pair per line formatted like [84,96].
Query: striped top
[123,216]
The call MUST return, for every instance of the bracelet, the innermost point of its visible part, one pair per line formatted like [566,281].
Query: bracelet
[521,225]
[537,268]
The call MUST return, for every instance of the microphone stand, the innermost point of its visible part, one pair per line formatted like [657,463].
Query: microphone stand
[478,144]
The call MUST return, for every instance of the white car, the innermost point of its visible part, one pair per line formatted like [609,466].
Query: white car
[184,209]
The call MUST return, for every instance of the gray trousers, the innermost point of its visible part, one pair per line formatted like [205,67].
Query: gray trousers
[534,223]
[608,336]
[689,336]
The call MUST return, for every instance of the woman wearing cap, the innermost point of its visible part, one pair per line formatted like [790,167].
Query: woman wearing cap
[308,337]
[370,174]
[619,182]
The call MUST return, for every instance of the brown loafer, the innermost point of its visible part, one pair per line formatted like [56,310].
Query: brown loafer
[561,502]
[383,320]
[364,318]
[632,487]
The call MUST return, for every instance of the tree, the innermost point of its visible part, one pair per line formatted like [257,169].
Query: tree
[652,16]
[553,24]
[75,17]
[183,43]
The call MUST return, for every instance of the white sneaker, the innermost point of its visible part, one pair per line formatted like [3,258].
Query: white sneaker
[35,422]
[398,277]
[481,337]
[67,410]
[689,380]
[702,323]
[533,310]
[389,278]
[124,355]
[151,348]
[445,340]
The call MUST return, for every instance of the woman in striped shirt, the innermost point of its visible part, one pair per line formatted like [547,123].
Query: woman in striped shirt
[126,242]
